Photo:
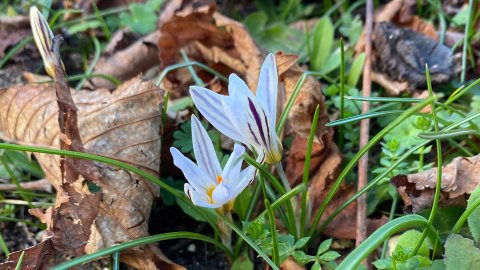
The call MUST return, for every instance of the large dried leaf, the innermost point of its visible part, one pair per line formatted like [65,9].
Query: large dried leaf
[459,179]
[125,125]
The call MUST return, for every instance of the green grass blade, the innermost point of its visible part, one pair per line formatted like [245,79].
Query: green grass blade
[448,134]
[376,239]
[139,242]
[273,232]
[20,261]
[306,172]
[438,186]
[359,117]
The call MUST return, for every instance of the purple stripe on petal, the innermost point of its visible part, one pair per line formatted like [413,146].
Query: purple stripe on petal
[257,119]
[204,150]
[253,133]
[268,128]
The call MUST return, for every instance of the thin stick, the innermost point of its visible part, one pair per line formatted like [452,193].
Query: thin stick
[361,230]
[39,185]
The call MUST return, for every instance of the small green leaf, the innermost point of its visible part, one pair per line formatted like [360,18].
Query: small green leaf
[242,263]
[461,253]
[383,263]
[316,266]
[141,19]
[324,246]
[474,218]
[322,43]
[301,243]
[83,26]
[356,70]
[255,22]
[329,256]
[302,258]
[332,63]
[408,240]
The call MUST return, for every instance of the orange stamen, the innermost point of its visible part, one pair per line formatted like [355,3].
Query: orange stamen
[219,179]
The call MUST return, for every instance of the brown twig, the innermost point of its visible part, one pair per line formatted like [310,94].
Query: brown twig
[38,185]
[361,230]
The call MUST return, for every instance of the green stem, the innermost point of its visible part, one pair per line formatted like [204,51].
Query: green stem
[273,233]
[283,177]
[438,186]
[463,218]
[140,242]
[306,172]
[465,41]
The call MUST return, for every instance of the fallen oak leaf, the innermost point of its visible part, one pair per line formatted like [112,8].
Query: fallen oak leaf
[459,179]
[109,127]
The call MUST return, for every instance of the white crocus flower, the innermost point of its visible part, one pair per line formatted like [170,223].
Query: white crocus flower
[244,117]
[209,186]
[43,35]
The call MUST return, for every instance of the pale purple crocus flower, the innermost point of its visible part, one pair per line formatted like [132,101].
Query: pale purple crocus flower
[43,35]
[244,117]
[208,185]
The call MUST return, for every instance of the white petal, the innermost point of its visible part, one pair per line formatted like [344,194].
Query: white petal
[199,198]
[210,106]
[231,171]
[246,177]
[221,195]
[267,88]
[238,88]
[204,152]
[235,112]
[196,177]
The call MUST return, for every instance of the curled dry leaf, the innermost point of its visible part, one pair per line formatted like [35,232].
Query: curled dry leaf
[401,51]
[125,125]
[291,264]
[459,179]
[124,62]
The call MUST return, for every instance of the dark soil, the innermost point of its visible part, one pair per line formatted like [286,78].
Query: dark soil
[194,255]
[18,236]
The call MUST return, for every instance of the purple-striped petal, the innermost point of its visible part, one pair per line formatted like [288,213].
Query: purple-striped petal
[210,106]
[205,155]
[267,88]
[194,175]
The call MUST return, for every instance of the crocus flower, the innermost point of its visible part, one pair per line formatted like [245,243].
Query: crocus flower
[43,35]
[244,117]
[209,186]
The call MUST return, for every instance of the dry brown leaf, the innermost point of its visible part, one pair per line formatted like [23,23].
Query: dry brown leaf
[291,264]
[36,257]
[12,31]
[400,12]
[125,125]
[124,62]
[459,179]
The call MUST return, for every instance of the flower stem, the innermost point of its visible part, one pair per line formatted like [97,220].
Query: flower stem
[283,177]
[226,231]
